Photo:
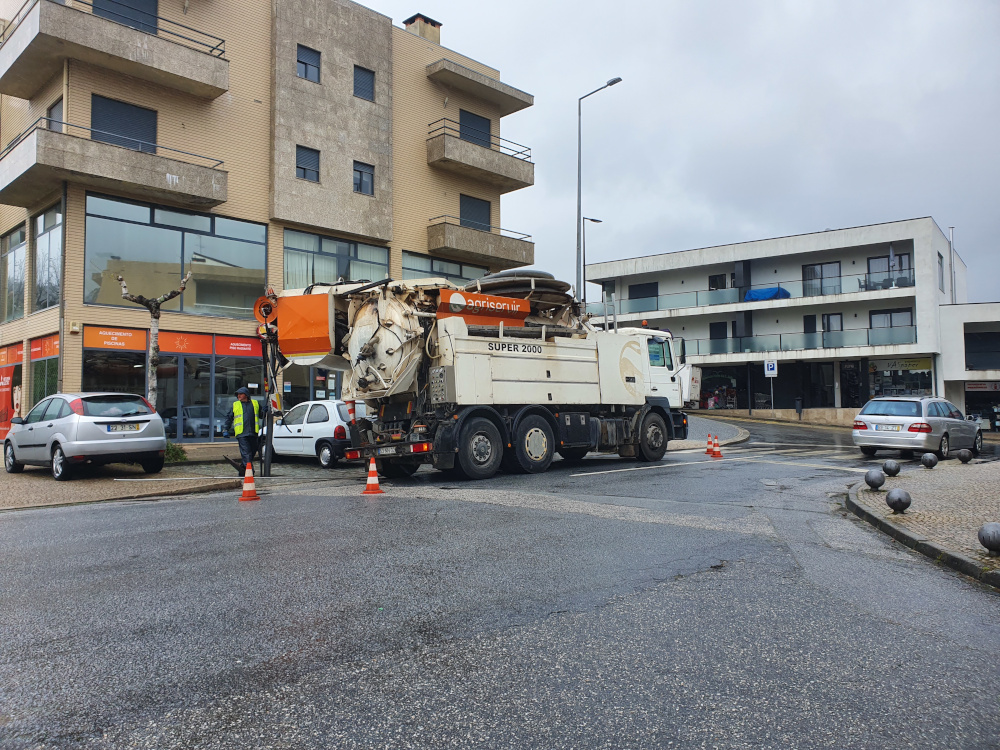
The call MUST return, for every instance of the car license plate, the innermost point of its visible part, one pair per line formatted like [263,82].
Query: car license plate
[887,427]
[389,450]
[129,427]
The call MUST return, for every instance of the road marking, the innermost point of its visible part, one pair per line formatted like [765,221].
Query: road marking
[809,445]
[718,461]
[800,463]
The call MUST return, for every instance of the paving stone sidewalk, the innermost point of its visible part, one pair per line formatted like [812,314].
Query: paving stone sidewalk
[950,503]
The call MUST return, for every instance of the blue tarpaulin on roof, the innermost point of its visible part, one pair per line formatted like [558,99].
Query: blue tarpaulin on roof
[771,292]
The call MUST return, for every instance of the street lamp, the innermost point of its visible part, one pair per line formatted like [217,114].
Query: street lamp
[583,286]
[579,190]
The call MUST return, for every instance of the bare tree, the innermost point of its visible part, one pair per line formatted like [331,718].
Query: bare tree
[153,305]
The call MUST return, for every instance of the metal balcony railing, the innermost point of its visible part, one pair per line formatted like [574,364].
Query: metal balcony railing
[479,227]
[479,137]
[47,123]
[137,19]
[785,342]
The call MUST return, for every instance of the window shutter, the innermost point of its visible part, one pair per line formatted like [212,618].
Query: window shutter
[473,128]
[307,158]
[139,14]
[309,56]
[474,213]
[123,124]
[364,83]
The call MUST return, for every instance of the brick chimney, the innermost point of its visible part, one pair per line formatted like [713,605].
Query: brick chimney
[423,26]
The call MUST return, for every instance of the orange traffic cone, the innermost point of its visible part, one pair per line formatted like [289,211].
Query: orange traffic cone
[350,411]
[249,491]
[716,453]
[708,450]
[372,487]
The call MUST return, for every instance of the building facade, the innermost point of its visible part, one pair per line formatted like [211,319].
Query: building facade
[250,145]
[847,314]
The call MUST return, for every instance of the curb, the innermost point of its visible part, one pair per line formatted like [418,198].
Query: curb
[937,553]
[220,485]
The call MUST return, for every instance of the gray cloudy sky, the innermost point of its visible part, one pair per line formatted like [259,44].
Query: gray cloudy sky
[745,119]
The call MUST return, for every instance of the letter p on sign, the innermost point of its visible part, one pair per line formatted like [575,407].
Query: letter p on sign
[771,368]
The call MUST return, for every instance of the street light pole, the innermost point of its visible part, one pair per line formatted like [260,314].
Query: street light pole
[583,286]
[579,184]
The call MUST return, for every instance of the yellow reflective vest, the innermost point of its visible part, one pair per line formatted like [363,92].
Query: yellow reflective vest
[238,428]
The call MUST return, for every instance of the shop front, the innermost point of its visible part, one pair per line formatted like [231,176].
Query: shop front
[308,384]
[901,377]
[44,367]
[983,398]
[11,358]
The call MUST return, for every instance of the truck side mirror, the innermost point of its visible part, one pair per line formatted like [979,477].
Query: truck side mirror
[683,358]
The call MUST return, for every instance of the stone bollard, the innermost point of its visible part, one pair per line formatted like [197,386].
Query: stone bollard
[891,468]
[898,500]
[965,455]
[929,460]
[874,479]
[989,536]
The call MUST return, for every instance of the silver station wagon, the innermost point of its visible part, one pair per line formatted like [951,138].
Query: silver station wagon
[69,429]
[914,424]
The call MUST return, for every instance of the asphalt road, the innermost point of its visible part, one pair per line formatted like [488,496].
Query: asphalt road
[692,603]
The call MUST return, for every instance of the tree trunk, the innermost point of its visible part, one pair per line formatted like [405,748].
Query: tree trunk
[154,355]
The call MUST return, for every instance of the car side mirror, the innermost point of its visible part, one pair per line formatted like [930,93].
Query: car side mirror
[277,420]
[16,420]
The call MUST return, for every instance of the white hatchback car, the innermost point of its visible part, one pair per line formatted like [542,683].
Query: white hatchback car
[314,428]
[69,429]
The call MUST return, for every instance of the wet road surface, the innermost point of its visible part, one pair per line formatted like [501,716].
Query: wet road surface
[691,603]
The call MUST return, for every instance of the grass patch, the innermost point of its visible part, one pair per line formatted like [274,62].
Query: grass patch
[175,453]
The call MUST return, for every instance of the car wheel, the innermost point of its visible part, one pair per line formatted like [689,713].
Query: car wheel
[533,447]
[60,465]
[977,444]
[868,451]
[152,465]
[944,451]
[324,452]
[10,463]
[652,438]
[480,449]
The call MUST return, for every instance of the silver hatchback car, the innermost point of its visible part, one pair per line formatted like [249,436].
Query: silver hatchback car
[69,429]
[914,424]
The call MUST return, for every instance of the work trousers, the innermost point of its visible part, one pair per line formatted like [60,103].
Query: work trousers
[248,447]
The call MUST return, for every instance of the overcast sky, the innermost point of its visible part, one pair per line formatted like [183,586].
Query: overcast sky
[740,120]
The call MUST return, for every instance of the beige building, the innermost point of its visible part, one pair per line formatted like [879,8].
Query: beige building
[274,144]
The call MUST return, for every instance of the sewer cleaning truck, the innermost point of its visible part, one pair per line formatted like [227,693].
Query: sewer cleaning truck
[505,372]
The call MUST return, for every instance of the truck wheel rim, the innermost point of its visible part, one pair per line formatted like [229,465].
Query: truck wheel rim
[654,436]
[482,448]
[536,444]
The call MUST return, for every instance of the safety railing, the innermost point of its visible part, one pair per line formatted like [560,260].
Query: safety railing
[47,123]
[785,342]
[122,13]
[480,227]
[482,138]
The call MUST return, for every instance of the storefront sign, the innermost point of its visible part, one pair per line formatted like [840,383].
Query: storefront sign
[237,346]
[124,339]
[10,399]
[45,347]
[922,363]
[185,343]
[11,355]
[982,386]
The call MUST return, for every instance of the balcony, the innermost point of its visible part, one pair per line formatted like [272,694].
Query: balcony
[507,98]
[491,246]
[883,281]
[37,161]
[479,155]
[44,33]
[789,342]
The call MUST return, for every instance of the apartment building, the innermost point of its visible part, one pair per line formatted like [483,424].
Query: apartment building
[847,314]
[250,145]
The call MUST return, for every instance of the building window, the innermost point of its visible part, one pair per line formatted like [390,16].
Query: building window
[717,281]
[364,178]
[44,357]
[123,124]
[364,83]
[139,14]
[474,213]
[48,258]
[416,266]
[940,272]
[307,163]
[474,128]
[307,64]
[314,259]
[833,322]
[55,116]
[820,278]
[891,318]
[648,290]
[152,247]
[12,252]
[718,330]
[608,290]
[889,272]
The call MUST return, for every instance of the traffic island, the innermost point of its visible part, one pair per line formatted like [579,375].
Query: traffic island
[950,505]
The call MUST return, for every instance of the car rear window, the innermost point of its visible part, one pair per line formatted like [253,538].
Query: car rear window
[892,409]
[114,406]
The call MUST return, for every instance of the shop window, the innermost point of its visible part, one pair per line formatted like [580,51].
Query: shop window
[44,378]
[48,258]
[313,259]
[416,266]
[10,387]
[231,374]
[116,372]
[12,252]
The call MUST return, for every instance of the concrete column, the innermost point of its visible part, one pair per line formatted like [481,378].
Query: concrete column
[836,384]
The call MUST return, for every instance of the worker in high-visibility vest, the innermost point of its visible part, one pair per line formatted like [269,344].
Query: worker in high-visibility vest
[243,421]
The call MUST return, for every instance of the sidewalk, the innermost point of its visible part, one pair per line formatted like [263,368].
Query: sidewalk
[950,503]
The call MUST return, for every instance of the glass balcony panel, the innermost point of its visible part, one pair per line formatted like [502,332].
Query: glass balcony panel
[835,339]
[889,336]
[769,343]
[643,304]
[718,297]
[677,300]
[793,341]
[719,346]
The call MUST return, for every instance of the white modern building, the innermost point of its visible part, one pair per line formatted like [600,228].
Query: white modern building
[848,314]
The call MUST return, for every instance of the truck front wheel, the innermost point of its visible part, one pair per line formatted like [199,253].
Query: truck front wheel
[652,438]
[534,446]
[480,449]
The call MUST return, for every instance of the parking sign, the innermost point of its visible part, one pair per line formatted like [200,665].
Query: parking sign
[771,368]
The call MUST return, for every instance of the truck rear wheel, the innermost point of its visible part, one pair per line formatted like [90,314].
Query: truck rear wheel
[533,446]
[652,438]
[480,449]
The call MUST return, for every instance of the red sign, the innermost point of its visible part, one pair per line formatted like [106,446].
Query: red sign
[237,346]
[47,346]
[10,399]
[185,343]
[11,355]
[124,339]
[982,386]
[483,309]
